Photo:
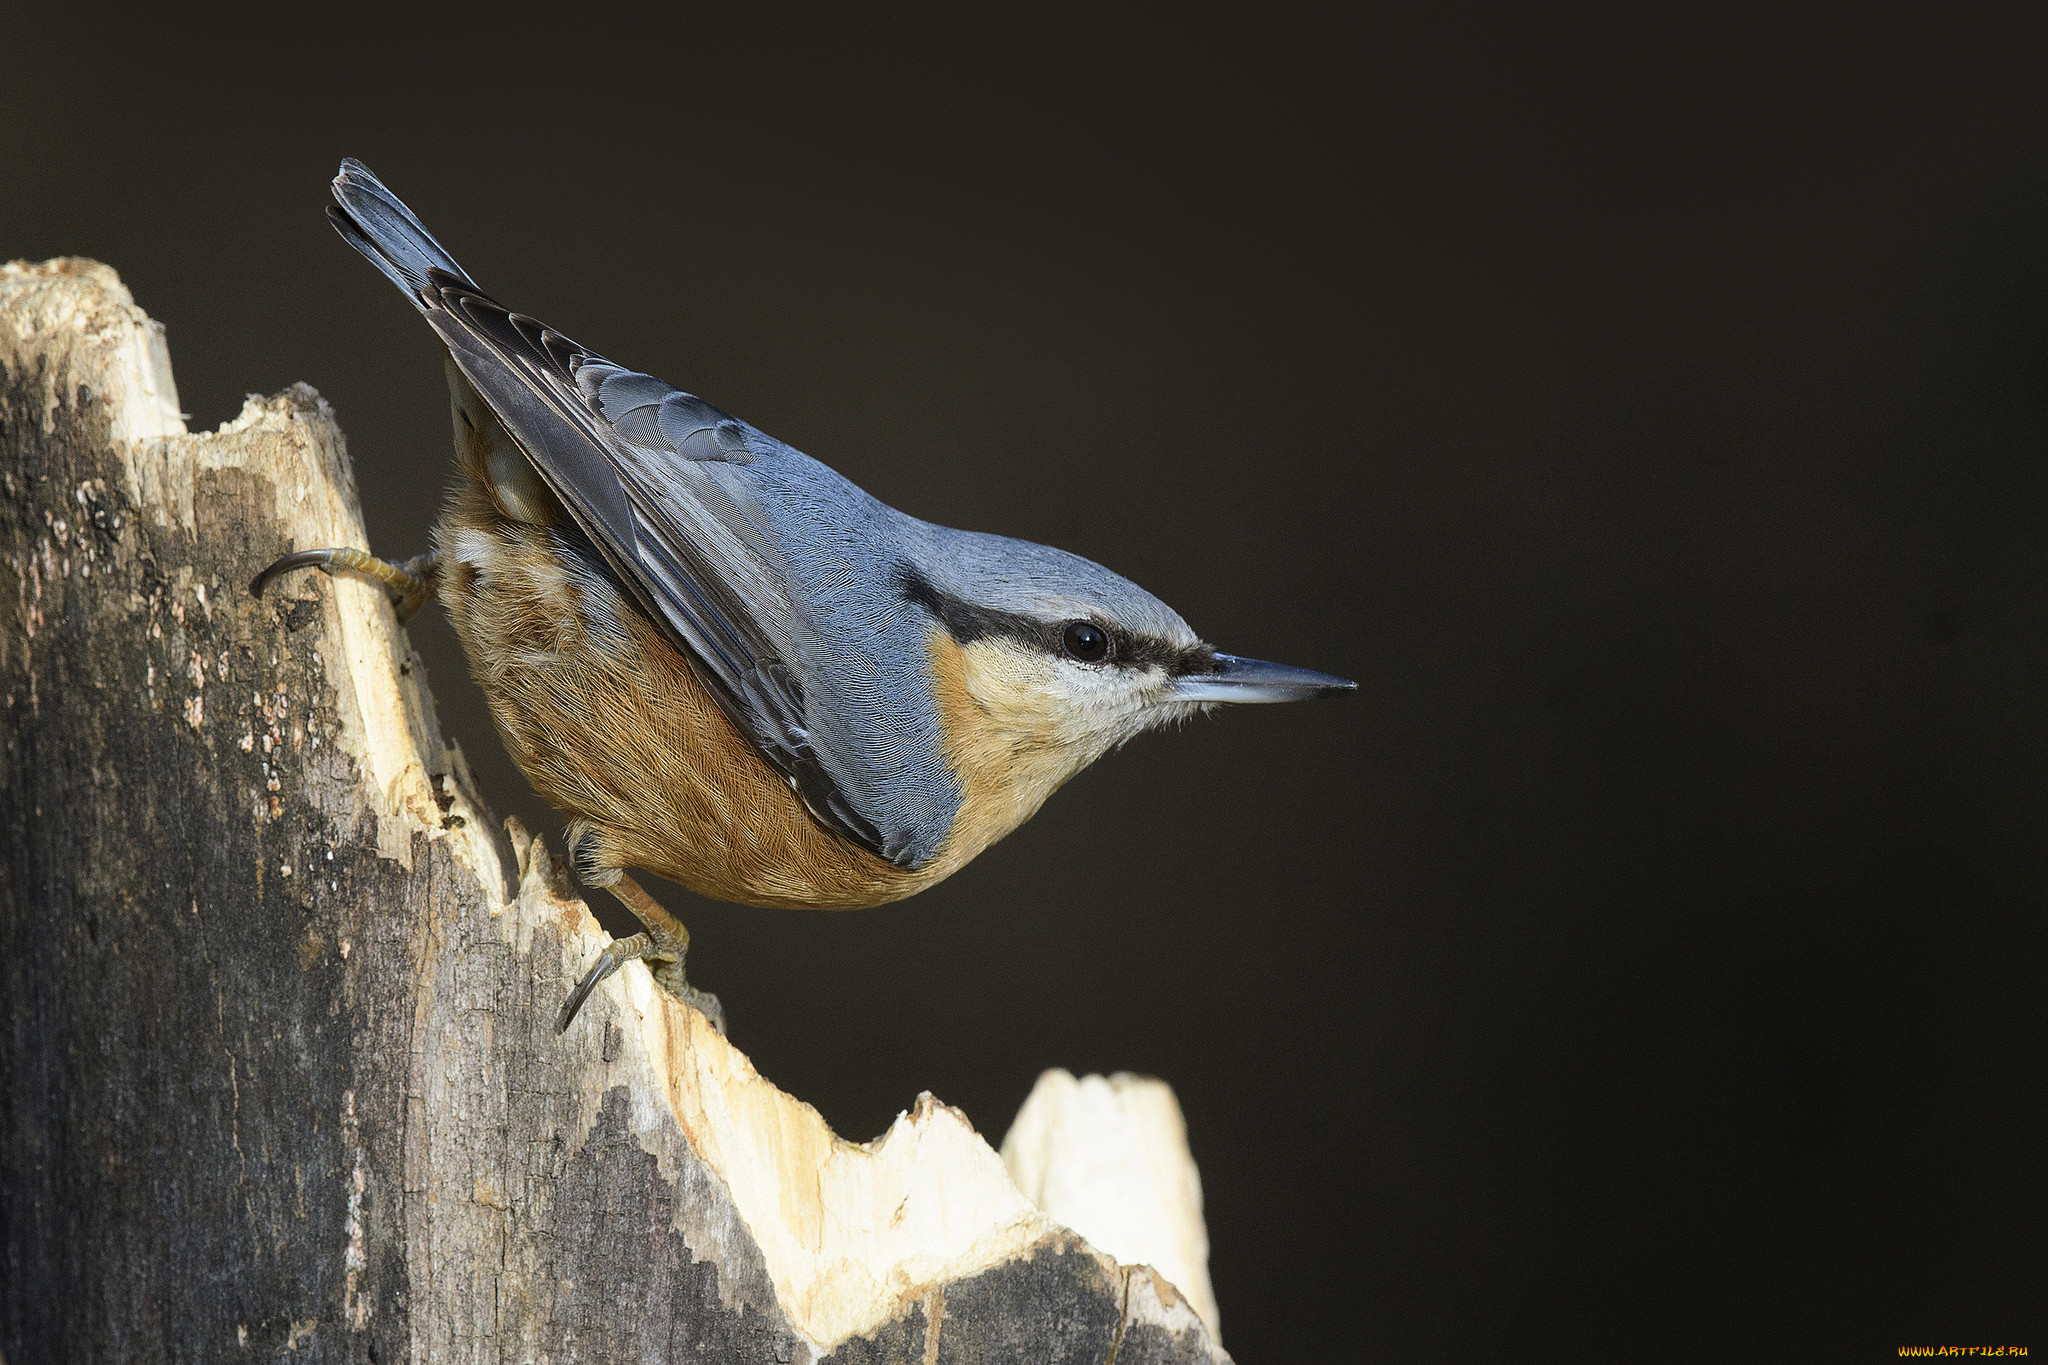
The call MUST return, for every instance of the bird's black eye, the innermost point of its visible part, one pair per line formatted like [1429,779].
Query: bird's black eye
[1085,641]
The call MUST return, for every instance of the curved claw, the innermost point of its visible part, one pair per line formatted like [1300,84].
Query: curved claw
[410,584]
[302,559]
[610,960]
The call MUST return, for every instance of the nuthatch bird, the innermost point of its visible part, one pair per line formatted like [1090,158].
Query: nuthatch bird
[729,666]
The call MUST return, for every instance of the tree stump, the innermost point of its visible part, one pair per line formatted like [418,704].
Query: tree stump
[279,1066]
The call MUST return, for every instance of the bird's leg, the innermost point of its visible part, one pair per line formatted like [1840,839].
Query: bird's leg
[411,584]
[663,945]
[669,945]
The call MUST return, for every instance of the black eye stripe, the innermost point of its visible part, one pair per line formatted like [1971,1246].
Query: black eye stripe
[966,622]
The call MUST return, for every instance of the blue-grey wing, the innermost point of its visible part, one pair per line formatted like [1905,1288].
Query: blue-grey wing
[655,478]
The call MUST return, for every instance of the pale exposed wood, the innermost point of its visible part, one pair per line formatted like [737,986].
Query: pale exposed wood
[279,1066]
[1109,1158]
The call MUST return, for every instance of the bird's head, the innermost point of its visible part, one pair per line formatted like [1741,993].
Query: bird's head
[1043,661]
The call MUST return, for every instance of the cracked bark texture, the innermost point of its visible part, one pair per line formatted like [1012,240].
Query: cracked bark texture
[278,1066]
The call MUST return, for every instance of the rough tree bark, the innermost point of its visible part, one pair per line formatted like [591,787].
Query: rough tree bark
[279,1071]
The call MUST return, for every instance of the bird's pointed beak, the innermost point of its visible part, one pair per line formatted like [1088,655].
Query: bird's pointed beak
[1249,680]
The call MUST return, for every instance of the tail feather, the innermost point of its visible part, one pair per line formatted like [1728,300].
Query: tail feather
[377,223]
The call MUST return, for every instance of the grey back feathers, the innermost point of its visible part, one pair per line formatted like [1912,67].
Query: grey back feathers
[805,603]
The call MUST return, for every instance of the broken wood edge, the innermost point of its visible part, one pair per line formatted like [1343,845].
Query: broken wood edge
[853,1235]
[1108,1156]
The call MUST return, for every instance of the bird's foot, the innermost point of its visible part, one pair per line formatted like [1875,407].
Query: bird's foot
[411,584]
[669,976]
[663,946]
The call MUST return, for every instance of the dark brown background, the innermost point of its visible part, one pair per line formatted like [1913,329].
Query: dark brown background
[1649,415]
